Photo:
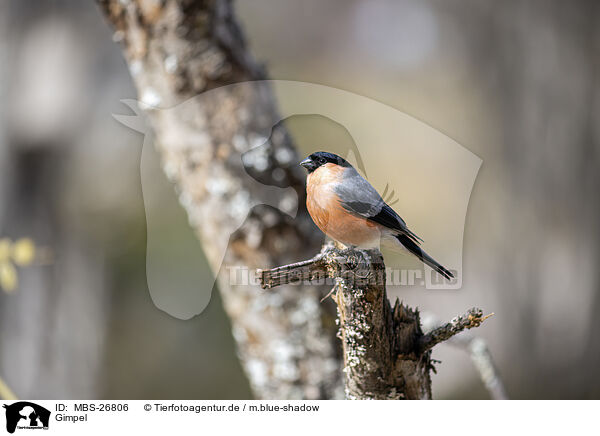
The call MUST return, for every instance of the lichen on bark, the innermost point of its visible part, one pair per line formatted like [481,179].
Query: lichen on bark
[176,50]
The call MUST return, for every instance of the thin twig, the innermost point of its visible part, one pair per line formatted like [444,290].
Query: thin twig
[473,318]
[482,359]
[480,355]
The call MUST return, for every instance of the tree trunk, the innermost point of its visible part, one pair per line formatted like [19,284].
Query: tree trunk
[177,50]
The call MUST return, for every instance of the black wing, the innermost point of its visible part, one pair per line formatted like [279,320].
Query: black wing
[358,197]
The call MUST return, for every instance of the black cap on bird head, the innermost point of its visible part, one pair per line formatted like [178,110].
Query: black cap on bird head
[319,158]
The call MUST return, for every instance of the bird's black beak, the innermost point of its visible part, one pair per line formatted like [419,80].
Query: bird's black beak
[307,163]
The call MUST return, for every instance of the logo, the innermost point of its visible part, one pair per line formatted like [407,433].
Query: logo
[26,415]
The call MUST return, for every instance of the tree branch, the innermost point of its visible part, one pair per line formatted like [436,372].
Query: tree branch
[386,354]
[473,318]
[479,354]
[484,363]
[307,270]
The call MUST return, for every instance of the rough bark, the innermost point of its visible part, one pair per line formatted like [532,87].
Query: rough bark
[386,354]
[177,50]
[380,358]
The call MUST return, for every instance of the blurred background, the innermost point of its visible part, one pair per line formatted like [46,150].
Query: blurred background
[515,82]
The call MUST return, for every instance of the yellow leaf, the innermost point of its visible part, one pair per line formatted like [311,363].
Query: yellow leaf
[8,276]
[23,251]
[4,249]
[5,392]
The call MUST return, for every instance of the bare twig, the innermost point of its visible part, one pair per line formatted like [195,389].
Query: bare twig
[473,318]
[480,355]
[482,359]
[309,270]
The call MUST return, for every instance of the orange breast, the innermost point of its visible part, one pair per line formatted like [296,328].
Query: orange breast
[324,207]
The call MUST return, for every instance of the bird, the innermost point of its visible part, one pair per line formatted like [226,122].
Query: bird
[348,209]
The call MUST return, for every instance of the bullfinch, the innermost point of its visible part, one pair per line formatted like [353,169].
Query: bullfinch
[349,210]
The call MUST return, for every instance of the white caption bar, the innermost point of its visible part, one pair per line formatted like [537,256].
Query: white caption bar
[298,417]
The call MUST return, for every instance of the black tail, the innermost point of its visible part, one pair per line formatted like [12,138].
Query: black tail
[411,246]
